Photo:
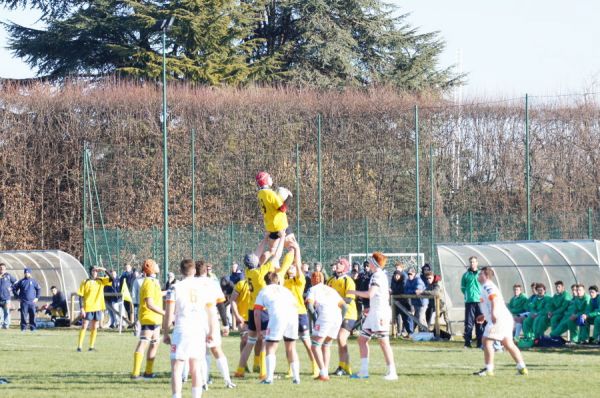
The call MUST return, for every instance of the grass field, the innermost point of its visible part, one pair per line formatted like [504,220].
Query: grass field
[45,364]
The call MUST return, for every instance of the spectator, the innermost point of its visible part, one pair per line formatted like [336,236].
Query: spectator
[517,306]
[537,313]
[135,298]
[112,300]
[236,274]
[127,278]
[415,285]
[318,267]
[226,286]
[434,289]
[6,283]
[355,271]
[58,307]
[591,317]
[171,280]
[424,269]
[397,287]
[558,305]
[307,274]
[27,290]
[364,280]
[471,288]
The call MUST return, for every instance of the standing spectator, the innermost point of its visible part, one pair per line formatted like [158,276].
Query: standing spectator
[397,288]
[434,289]
[170,280]
[364,280]
[415,285]
[135,298]
[424,269]
[6,283]
[318,267]
[307,275]
[127,278]
[58,307]
[111,300]
[236,274]
[27,290]
[471,289]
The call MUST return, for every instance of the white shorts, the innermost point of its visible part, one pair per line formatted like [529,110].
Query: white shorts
[378,320]
[187,346]
[216,339]
[327,327]
[280,328]
[500,330]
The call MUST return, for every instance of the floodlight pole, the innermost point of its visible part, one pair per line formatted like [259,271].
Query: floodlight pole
[166,25]
[527,167]
[417,199]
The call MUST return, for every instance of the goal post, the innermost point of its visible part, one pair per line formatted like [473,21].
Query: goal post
[415,260]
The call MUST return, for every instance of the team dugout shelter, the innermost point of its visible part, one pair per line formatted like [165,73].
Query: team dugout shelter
[518,262]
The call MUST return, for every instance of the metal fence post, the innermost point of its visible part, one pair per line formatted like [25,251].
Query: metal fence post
[193,167]
[366,236]
[319,188]
[417,179]
[590,225]
[527,167]
[432,207]
[470,226]
[298,193]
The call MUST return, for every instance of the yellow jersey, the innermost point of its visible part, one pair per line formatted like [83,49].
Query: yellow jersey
[92,291]
[341,285]
[150,289]
[256,276]
[296,286]
[243,299]
[270,202]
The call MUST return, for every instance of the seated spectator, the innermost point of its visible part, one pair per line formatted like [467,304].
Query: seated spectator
[537,312]
[58,307]
[414,285]
[576,309]
[591,317]
[558,305]
[397,288]
[517,307]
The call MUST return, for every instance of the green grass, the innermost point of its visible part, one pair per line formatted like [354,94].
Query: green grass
[45,364]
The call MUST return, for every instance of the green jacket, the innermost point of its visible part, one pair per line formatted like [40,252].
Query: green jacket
[593,308]
[578,305]
[518,304]
[559,303]
[470,287]
[538,304]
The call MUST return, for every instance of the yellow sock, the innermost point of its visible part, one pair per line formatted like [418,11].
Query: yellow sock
[81,337]
[342,365]
[240,371]
[289,372]
[348,369]
[263,364]
[138,357]
[315,369]
[256,361]
[93,333]
[149,366]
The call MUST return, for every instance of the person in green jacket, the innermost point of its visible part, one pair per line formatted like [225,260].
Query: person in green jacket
[517,306]
[537,313]
[576,309]
[558,305]
[471,289]
[591,317]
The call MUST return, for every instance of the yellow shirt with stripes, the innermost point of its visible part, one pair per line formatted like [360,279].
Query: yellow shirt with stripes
[270,202]
[150,289]
[296,286]
[92,291]
[243,298]
[256,276]
[341,285]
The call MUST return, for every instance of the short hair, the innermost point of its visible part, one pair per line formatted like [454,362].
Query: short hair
[581,285]
[399,264]
[533,284]
[517,285]
[54,287]
[186,266]
[472,258]
[2,265]
[559,283]
[574,285]
[271,278]
[488,272]
[427,274]
[201,267]
[594,288]
[537,286]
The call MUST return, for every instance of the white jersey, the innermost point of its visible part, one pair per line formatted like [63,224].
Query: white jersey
[381,299]
[277,301]
[489,291]
[326,300]
[213,287]
[191,299]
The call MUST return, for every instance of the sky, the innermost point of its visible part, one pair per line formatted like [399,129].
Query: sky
[507,48]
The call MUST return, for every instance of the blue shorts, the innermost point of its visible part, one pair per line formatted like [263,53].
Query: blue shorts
[303,324]
[348,324]
[264,321]
[93,316]
[150,327]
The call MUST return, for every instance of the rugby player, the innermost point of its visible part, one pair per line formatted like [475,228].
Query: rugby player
[189,304]
[240,299]
[324,304]
[378,320]
[280,304]
[499,325]
[91,293]
[150,317]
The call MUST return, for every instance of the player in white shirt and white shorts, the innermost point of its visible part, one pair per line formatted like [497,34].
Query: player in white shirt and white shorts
[324,303]
[378,320]
[499,325]
[280,304]
[189,306]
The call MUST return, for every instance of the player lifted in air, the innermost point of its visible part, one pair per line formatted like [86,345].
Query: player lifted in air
[324,304]
[499,325]
[279,303]
[272,205]
[91,293]
[189,304]
[377,322]
[150,317]
[341,282]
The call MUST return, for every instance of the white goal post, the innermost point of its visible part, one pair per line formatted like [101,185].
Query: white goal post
[415,260]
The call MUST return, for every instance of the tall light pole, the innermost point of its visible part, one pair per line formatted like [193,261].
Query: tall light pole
[165,26]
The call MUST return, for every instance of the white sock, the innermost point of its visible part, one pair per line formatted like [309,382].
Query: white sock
[324,372]
[521,365]
[391,369]
[518,328]
[364,367]
[295,370]
[207,358]
[177,395]
[271,360]
[489,367]
[224,368]
[196,392]
[186,370]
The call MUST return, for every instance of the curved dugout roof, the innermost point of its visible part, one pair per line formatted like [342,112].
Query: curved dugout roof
[522,262]
[48,267]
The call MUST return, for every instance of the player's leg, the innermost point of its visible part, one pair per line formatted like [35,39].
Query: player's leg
[516,355]
[317,345]
[94,324]
[84,325]
[138,355]
[176,375]
[222,365]
[388,354]
[304,334]
[292,357]
[363,348]
[264,243]
[344,355]
[154,343]
[252,339]
[326,349]
[271,359]
[258,348]
[488,358]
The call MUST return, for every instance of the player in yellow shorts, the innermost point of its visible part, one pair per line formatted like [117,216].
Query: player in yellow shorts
[150,316]
[341,282]
[91,292]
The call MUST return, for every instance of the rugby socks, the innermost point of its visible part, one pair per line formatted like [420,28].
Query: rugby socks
[178,395]
[391,369]
[295,366]
[240,372]
[489,367]
[138,357]
[364,367]
[263,364]
[93,333]
[315,369]
[256,364]
[270,360]
[81,337]
[149,366]
[348,369]
[196,392]
[207,368]
[324,372]
[223,367]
